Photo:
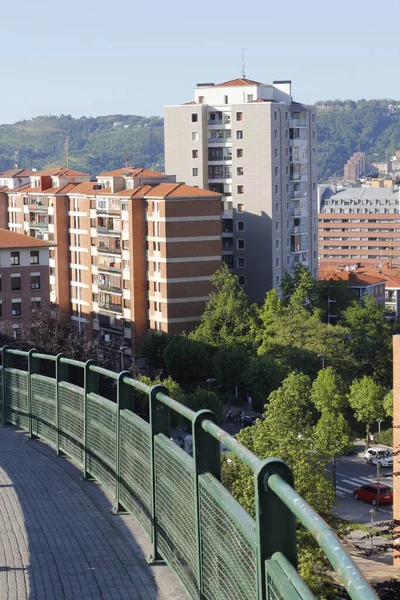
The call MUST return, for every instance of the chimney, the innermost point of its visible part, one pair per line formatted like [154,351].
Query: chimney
[45,182]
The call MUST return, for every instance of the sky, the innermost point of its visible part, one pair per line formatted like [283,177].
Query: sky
[95,58]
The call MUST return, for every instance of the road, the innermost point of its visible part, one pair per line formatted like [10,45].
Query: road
[351,473]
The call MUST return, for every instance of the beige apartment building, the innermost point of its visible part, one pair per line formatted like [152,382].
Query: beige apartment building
[133,251]
[254,145]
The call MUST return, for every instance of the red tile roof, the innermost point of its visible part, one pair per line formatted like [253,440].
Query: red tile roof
[187,103]
[58,171]
[238,82]
[21,188]
[64,189]
[353,278]
[179,190]
[16,173]
[9,239]
[132,172]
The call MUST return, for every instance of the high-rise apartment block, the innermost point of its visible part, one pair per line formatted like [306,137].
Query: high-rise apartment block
[254,145]
[131,252]
[354,166]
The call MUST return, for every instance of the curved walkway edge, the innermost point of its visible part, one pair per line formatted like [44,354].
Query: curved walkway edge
[59,539]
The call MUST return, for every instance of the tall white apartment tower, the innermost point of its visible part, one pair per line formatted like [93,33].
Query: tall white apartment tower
[252,143]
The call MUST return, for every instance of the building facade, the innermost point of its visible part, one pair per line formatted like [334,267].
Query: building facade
[24,277]
[254,145]
[130,252]
[354,166]
[358,225]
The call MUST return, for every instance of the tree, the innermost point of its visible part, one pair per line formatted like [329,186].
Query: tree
[388,404]
[229,366]
[141,400]
[287,432]
[328,392]
[366,399]
[332,437]
[153,347]
[187,359]
[263,375]
[301,290]
[228,316]
[200,398]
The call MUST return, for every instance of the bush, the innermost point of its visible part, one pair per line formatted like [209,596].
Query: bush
[385,437]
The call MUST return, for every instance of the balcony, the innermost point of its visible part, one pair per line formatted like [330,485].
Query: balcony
[107,231]
[298,194]
[37,225]
[299,247]
[108,250]
[297,122]
[109,268]
[39,208]
[109,288]
[111,307]
[299,229]
[220,140]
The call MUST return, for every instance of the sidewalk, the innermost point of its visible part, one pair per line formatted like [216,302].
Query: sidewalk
[378,566]
[59,539]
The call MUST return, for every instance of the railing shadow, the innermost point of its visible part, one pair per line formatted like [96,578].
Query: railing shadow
[59,536]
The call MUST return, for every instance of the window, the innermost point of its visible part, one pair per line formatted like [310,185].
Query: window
[249,97]
[275,115]
[276,152]
[16,308]
[241,262]
[276,171]
[35,305]
[194,118]
[314,187]
[277,262]
[201,99]
[287,152]
[240,244]
[225,99]
[287,170]
[195,154]
[278,280]
[242,280]
[313,135]
[239,116]
[239,152]
[240,226]
[16,284]
[287,188]
[239,171]
[286,134]
[277,244]
[287,206]
[286,116]
[288,242]
[1,310]
[276,225]
[195,172]
[276,134]
[124,205]
[240,207]
[276,207]
[239,134]
[276,188]
[15,258]
[195,136]
[313,118]
[34,257]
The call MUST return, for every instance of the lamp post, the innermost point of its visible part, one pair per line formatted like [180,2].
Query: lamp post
[209,381]
[378,466]
[372,513]
[322,357]
[121,351]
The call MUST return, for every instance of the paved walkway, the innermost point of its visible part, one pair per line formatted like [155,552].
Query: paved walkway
[58,538]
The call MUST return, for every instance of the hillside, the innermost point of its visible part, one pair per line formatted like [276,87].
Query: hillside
[102,143]
[95,144]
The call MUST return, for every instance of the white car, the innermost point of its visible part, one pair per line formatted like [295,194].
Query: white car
[376,455]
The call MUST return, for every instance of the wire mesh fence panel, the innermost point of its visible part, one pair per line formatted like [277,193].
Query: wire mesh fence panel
[135,464]
[70,398]
[1,395]
[278,585]
[43,394]
[102,440]
[176,511]
[228,544]
[17,397]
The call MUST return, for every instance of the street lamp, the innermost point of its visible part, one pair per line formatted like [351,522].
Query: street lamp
[209,381]
[322,357]
[122,350]
[372,513]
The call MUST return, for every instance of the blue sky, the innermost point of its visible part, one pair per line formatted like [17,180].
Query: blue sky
[94,58]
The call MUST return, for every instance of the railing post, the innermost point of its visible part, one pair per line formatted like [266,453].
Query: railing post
[90,384]
[159,423]
[61,374]
[33,368]
[276,524]
[207,459]
[124,401]
[5,359]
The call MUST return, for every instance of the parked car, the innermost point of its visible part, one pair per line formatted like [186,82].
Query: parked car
[369,493]
[377,455]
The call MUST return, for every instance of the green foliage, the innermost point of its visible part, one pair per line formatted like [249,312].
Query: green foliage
[229,365]
[153,347]
[301,289]
[328,391]
[187,359]
[332,435]
[174,391]
[96,144]
[388,404]
[385,437]
[263,375]
[199,399]
[227,319]
[366,399]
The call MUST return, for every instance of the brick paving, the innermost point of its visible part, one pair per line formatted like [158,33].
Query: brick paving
[59,539]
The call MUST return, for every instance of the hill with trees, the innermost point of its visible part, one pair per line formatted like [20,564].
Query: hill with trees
[98,144]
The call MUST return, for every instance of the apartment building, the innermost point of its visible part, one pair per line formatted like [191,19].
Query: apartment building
[10,180]
[251,143]
[24,277]
[133,250]
[358,224]
[359,281]
[354,166]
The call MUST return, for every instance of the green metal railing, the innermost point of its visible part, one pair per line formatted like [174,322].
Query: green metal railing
[218,551]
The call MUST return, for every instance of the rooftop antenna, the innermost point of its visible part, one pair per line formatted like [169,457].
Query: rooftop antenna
[16,153]
[127,161]
[243,70]
[66,146]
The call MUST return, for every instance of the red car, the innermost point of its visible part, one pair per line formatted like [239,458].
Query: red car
[369,493]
